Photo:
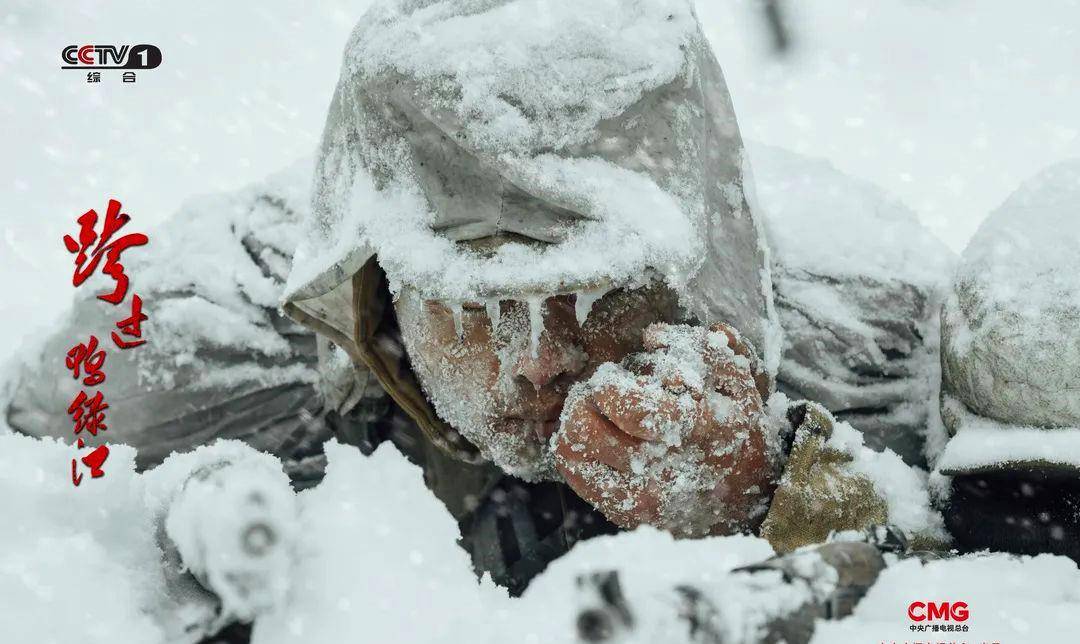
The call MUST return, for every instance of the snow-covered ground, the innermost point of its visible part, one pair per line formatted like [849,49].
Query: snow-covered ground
[374,559]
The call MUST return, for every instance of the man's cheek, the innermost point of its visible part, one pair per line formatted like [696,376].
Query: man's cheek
[601,349]
[613,346]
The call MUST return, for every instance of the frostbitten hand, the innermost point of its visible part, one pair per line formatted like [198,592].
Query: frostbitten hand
[673,437]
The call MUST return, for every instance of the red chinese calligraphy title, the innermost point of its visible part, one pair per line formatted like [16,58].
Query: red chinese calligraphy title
[85,360]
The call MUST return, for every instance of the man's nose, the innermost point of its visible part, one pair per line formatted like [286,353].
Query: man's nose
[553,358]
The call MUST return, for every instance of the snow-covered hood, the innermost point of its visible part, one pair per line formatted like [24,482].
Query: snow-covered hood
[602,129]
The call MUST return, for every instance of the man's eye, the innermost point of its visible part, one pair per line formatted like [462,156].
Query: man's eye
[437,305]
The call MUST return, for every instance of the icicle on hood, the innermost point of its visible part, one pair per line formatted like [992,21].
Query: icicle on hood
[602,132]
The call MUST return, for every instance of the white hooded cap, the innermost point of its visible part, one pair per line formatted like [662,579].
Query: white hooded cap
[603,128]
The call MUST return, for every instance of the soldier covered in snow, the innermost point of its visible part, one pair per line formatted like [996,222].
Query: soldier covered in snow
[542,245]
[542,279]
[534,264]
[513,242]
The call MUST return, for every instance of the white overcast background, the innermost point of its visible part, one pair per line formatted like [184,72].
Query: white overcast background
[948,104]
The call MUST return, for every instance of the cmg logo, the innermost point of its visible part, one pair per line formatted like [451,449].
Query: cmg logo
[930,611]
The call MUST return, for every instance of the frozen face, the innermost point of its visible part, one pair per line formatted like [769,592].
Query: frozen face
[499,372]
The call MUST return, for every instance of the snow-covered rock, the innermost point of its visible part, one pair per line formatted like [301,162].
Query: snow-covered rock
[857,280]
[1011,331]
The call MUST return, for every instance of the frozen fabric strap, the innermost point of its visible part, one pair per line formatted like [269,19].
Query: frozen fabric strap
[379,347]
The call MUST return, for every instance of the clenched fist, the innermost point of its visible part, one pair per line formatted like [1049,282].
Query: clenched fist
[675,437]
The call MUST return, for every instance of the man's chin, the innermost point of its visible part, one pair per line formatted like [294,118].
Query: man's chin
[520,448]
[533,471]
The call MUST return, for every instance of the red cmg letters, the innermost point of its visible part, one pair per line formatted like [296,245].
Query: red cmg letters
[929,611]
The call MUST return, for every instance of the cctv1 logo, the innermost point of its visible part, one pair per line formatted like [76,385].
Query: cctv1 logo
[931,611]
[110,57]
